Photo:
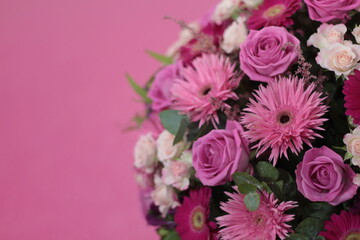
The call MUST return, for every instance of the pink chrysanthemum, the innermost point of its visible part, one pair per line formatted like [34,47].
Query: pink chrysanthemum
[345,226]
[274,13]
[192,217]
[267,222]
[206,85]
[352,100]
[283,115]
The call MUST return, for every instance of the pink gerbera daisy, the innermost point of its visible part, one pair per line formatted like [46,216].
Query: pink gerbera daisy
[352,100]
[345,226]
[283,115]
[206,84]
[267,222]
[192,217]
[274,13]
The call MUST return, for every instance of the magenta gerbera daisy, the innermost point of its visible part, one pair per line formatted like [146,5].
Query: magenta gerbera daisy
[192,217]
[352,100]
[204,86]
[345,226]
[267,222]
[283,115]
[274,13]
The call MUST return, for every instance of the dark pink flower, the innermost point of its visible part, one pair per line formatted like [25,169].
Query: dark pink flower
[274,13]
[192,217]
[326,10]
[323,176]
[345,226]
[159,91]
[352,100]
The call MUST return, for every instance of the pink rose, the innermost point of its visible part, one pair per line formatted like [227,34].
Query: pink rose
[220,153]
[326,10]
[323,176]
[159,91]
[267,53]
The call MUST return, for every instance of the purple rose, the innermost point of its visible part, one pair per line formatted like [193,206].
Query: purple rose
[326,10]
[159,91]
[220,153]
[323,176]
[267,53]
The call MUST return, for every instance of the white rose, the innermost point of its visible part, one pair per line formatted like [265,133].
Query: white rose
[165,148]
[185,36]
[225,9]
[340,58]
[252,3]
[144,180]
[177,172]
[326,35]
[145,153]
[352,141]
[356,179]
[234,35]
[165,198]
[356,33]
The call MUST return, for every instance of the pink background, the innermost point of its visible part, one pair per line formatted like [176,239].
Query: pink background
[65,164]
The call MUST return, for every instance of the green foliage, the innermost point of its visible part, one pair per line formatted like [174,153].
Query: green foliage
[161,58]
[138,89]
[297,236]
[175,123]
[267,171]
[246,188]
[319,210]
[252,201]
[310,227]
[172,236]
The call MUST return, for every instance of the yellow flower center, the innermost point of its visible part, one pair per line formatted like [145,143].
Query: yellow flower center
[274,11]
[198,219]
[352,236]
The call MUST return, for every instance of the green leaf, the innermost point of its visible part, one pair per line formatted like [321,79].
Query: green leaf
[297,236]
[252,201]
[246,188]
[243,177]
[138,89]
[171,120]
[310,227]
[347,156]
[161,58]
[267,171]
[343,148]
[172,236]
[320,238]
[319,210]
[184,123]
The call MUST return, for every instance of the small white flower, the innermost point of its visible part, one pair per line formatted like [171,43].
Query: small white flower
[356,33]
[177,172]
[352,141]
[340,58]
[165,149]
[145,153]
[326,35]
[251,4]
[234,35]
[185,36]
[225,9]
[165,198]
[356,179]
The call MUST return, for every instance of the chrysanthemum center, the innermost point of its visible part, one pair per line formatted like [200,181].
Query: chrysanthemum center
[353,236]
[205,90]
[274,11]
[198,219]
[284,117]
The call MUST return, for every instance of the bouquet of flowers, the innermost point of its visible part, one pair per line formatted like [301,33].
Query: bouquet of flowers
[253,124]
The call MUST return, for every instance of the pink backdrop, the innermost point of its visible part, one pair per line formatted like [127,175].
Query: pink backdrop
[65,165]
